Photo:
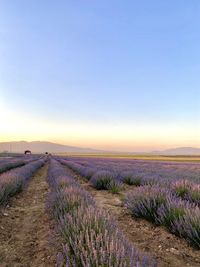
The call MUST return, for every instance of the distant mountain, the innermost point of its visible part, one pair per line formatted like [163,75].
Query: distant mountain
[179,151]
[42,147]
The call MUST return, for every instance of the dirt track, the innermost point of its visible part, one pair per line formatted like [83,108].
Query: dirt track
[25,227]
[170,251]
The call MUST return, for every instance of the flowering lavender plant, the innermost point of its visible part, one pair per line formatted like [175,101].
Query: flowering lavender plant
[162,207]
[102,179]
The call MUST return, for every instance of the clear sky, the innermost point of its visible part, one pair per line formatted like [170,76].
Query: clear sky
[115,74]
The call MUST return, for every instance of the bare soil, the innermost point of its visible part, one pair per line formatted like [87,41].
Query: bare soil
[168,249]
[25,227]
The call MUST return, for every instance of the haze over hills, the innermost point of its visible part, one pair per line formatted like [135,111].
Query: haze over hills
[179,151]
[43,146]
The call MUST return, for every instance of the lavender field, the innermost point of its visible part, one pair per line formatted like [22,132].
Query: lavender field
[90,236]
[100,211]
[165,193]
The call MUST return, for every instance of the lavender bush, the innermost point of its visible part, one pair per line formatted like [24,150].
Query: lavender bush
[92,239]
[101,180]
[162,207]
[182,187]
[187,190]
[188,226]
[127,177]
[115,186]
[145,202]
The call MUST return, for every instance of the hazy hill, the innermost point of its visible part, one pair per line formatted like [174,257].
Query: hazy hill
[41,147]
[179,151]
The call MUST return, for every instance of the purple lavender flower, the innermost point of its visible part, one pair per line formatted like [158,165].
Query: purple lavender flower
[101,179]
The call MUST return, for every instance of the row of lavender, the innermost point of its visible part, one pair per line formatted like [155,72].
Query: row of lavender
[146,170]
[174,204]
[13,181]
[111,180]
[7,164]
[100,179]
[89,237]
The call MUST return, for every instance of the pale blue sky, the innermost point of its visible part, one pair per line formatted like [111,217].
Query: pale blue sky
[102,64]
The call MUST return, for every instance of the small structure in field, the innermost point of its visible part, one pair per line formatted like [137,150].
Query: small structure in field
[27,152]
[46,153]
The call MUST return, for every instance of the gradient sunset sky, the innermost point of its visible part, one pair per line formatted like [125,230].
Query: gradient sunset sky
[110,74]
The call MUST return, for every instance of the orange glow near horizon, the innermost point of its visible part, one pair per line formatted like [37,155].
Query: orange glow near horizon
[17,127]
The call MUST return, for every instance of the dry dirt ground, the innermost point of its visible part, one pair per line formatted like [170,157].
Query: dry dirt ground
[25,227]
[169,250]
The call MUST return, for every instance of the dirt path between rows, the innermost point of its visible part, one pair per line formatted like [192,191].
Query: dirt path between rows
[169,250]
[25,227]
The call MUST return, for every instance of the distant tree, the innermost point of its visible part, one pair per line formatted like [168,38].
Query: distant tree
[46,153]
[27,152]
